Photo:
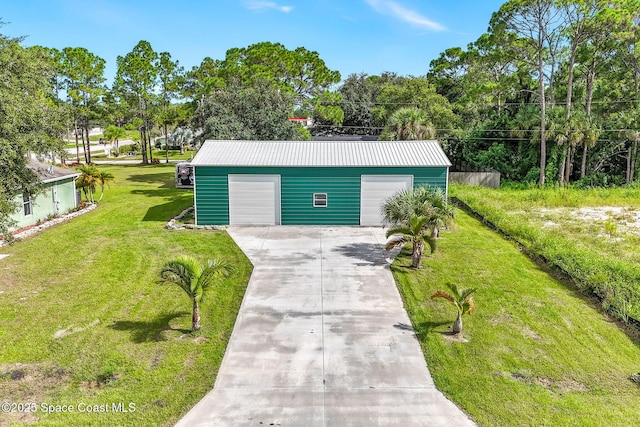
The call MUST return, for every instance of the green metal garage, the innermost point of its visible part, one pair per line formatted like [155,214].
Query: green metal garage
[309,182]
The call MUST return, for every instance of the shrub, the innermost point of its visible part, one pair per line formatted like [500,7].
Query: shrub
[611,228]
[302,134]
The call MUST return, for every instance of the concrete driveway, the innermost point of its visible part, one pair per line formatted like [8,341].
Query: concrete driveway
[322,339]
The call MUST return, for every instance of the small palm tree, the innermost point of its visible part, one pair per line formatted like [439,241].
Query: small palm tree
[422,200]
[88,180]
[438,209]
[399,207]
[416,232]
[421,205]
[193,278]
[103,178]
[462,300]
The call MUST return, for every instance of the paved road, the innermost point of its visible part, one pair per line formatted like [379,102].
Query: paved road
[322,339]
[95,147]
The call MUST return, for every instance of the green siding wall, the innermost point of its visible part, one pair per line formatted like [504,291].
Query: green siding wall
[211,197]
[42,205]
[343,196]
[66,195]
[342,185]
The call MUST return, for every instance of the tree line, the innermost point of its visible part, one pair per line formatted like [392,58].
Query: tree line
[549,94]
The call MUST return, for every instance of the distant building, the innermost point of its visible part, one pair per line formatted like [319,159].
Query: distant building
[306,122]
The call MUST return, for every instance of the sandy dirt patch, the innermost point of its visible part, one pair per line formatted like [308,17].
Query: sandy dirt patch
[626,219]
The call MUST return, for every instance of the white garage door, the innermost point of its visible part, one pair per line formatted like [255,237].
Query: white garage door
[254,199]
[375,190]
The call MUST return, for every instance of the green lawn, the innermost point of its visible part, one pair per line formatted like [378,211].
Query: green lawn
[593,235]
[538,353]
[82,319]
[129,134]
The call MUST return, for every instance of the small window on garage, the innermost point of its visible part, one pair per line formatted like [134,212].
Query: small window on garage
[319,200]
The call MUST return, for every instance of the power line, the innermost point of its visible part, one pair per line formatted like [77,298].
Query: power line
[558,103]
[472,131]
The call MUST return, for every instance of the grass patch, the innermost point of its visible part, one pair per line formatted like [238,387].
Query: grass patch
[173,155]
[538,352]
[129,134]
[593,235]
[83,320]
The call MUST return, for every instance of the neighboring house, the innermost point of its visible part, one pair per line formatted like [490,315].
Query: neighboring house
[306,122]
[58,195]
[309,182]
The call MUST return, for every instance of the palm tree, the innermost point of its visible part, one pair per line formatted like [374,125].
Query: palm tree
[113,134]
[461,299]
[416,232]
[399,207]
[437,208]
[87,181]
[408,124]
[629,133]
[424,201]
[592,133]
[103,179]
[195,279]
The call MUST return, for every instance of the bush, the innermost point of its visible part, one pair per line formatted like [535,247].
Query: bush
[302,134]
[133,148]
[533,176]
[598,180]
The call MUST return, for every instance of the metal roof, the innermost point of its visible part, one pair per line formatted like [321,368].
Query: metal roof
[320,153]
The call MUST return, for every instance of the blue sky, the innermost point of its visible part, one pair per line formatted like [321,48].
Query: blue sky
[351,36]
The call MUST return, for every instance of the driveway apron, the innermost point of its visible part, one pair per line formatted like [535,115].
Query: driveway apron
[322,339]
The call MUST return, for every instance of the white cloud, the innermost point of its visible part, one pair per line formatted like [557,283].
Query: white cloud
[396,10]
[261,5]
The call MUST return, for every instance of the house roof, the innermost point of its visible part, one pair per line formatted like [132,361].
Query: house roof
[50,173]
[320,153]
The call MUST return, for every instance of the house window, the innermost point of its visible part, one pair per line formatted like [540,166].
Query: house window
[319,200]
[26,204]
